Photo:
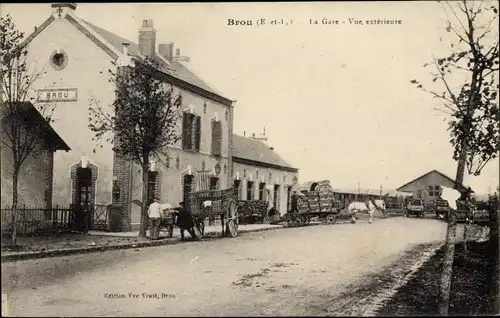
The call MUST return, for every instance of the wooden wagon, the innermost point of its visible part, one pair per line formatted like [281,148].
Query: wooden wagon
[206,203]
[316,200]
[252,211]
[167,222]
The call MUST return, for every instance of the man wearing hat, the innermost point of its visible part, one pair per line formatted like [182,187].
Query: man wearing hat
[154,214]
[185,221]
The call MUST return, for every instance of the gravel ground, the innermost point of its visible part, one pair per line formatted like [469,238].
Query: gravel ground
[316,270]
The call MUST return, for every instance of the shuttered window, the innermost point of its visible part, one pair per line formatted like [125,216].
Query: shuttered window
[216,138]
[152,186]
[191,131]
[185,130]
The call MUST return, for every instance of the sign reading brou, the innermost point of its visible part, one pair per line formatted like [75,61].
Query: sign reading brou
[57,95]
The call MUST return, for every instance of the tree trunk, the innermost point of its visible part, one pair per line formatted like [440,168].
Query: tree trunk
[144,212]
[449,249]
[447,269]
[497,261]
[465,235]
[494,214]
[15,178]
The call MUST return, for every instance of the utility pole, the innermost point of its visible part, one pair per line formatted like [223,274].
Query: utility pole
[357,193]
[381,192]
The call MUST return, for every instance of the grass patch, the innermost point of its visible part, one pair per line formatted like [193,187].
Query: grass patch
[469,291]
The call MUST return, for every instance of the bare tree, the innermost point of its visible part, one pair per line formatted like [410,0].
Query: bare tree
[17,77]
[144,122]
[471,104]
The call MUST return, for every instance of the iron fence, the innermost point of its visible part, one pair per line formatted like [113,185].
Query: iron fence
[100,217]
[35,220]
[58,219]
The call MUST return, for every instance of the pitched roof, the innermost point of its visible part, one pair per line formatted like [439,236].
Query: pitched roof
[174,68]
[112,44]
[355,191]
[395,193]
[462,186]
[249,149]
[33,117]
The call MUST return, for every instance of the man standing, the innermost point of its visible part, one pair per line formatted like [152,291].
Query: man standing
[185,221]
[154,214]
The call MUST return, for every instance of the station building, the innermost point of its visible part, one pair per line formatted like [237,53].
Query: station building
[75,56]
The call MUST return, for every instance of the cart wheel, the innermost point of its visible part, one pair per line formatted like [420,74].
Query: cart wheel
[202,227]
[199,228]
[330,219]
[301,220]
[308,220]
[232,219]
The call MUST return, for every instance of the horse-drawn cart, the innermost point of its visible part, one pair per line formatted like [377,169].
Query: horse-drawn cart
[315,200]
[167,221]
[205,203]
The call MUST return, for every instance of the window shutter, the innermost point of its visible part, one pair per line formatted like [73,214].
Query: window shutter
[185,130]
[198,133]
[216,138]
[213,138]
[218,126]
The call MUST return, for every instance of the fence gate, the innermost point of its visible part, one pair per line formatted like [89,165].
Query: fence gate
[99,221]
[83,218]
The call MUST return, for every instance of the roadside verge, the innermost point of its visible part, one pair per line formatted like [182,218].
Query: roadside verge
[18,256]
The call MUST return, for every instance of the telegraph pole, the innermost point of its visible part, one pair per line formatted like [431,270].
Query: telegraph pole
[357,193]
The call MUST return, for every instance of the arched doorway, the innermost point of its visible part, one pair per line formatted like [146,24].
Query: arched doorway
[83,195]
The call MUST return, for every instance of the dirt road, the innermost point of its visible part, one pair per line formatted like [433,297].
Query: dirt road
[294,271]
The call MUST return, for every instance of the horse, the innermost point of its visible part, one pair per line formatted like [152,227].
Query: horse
[380,205]
[356,206]
[206,205]
[362,207]
[371,210]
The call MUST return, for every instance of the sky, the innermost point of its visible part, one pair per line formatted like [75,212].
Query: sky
[335,99]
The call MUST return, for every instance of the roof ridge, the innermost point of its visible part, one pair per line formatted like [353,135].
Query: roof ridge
[94,33]
[246,155]
[90,24]
[169,64]
[433,170]
[196,74]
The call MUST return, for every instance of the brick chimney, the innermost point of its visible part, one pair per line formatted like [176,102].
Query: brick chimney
[166,50]
[179,58]
[125,46]
[147,39]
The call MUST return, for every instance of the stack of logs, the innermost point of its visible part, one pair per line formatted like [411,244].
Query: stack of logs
[249,208]
[319,200]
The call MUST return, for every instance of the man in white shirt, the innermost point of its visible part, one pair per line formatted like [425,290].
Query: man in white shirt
[154,214]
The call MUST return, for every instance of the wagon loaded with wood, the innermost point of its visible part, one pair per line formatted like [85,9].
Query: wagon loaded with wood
[207,202]
[315,201]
